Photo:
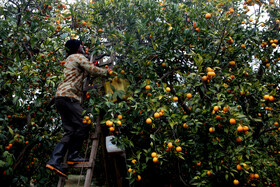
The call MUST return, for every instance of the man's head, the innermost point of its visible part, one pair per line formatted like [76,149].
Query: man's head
[74,46]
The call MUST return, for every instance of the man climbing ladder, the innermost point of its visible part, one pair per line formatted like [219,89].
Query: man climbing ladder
[67,101]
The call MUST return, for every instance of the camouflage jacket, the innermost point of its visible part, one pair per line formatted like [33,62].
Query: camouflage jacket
[77,67]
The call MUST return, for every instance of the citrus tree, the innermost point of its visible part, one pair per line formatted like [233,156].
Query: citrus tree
[202,105]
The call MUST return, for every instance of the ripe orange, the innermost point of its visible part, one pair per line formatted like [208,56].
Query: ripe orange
[245,128]
[243,46]
[154,154]
[232,121]
[189,95]
[175,99]
[89,121]
[133,161]
[170,145]
[119,123]
[149,121]
[211,130]
[207,15]
[120,116]
[208,172]
[138,178]
[235,182]
[216,108]
[168,89]
[232,63]
[198,163]
[156,115]
[257,176]
[240,128]
[266,97]
[86,118]
[185,126]
[238,167]
[130,170]
[122,71]
[238,139]
[204,78]
[163,64]
[148,87]
[271,98]
[155,159]
[276,123]
[178,149]
[111,129]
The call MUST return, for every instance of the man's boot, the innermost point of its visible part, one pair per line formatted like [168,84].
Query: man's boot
[73,153]
[56,159]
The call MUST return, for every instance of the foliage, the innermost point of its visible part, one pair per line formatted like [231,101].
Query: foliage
[229,60]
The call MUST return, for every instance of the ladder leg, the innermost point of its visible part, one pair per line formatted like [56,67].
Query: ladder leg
[61,182]
[93,154]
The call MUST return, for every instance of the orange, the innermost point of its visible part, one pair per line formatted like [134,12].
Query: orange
[110,124]
[163,64]
[189,95]
[207,15]
[257,176]
[122,71]
[133,161]
[148,87]
[154,154]
[155,159]
[198,163]
[225,109]
[86,118]
[238,167]
[271,98]
[167,89]
[119,123]
[211,130]
[130,170]
[111,129]
[252,175]
[245,128]
[170,145]
[235,182]
[266,97]
[178,149]
[232,63]
[243,46]
[138,178]
[148,121]
[232,121]
[238,139]
[204,78]
[156,115]
[276,123]
[216,108]
[120,116]
[175,99]
[208,172]
[89,121]
[185,126]
[240,128]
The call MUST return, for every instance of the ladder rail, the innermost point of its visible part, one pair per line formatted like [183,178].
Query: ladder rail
[89,165]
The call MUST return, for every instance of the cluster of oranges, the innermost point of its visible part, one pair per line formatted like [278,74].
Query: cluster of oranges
[157,115]
[268,97]
[86,120]
[110,124]
[210,75]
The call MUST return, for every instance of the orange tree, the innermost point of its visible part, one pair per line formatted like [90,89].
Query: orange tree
[202,105]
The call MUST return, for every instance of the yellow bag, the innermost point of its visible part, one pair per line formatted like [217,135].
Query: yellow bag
[118,84]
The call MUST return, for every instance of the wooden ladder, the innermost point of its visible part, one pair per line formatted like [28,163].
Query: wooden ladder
[89,165]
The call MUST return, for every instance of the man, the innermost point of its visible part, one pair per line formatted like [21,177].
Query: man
[67,101]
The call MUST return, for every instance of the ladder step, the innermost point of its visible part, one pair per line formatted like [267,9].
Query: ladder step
[79,165]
